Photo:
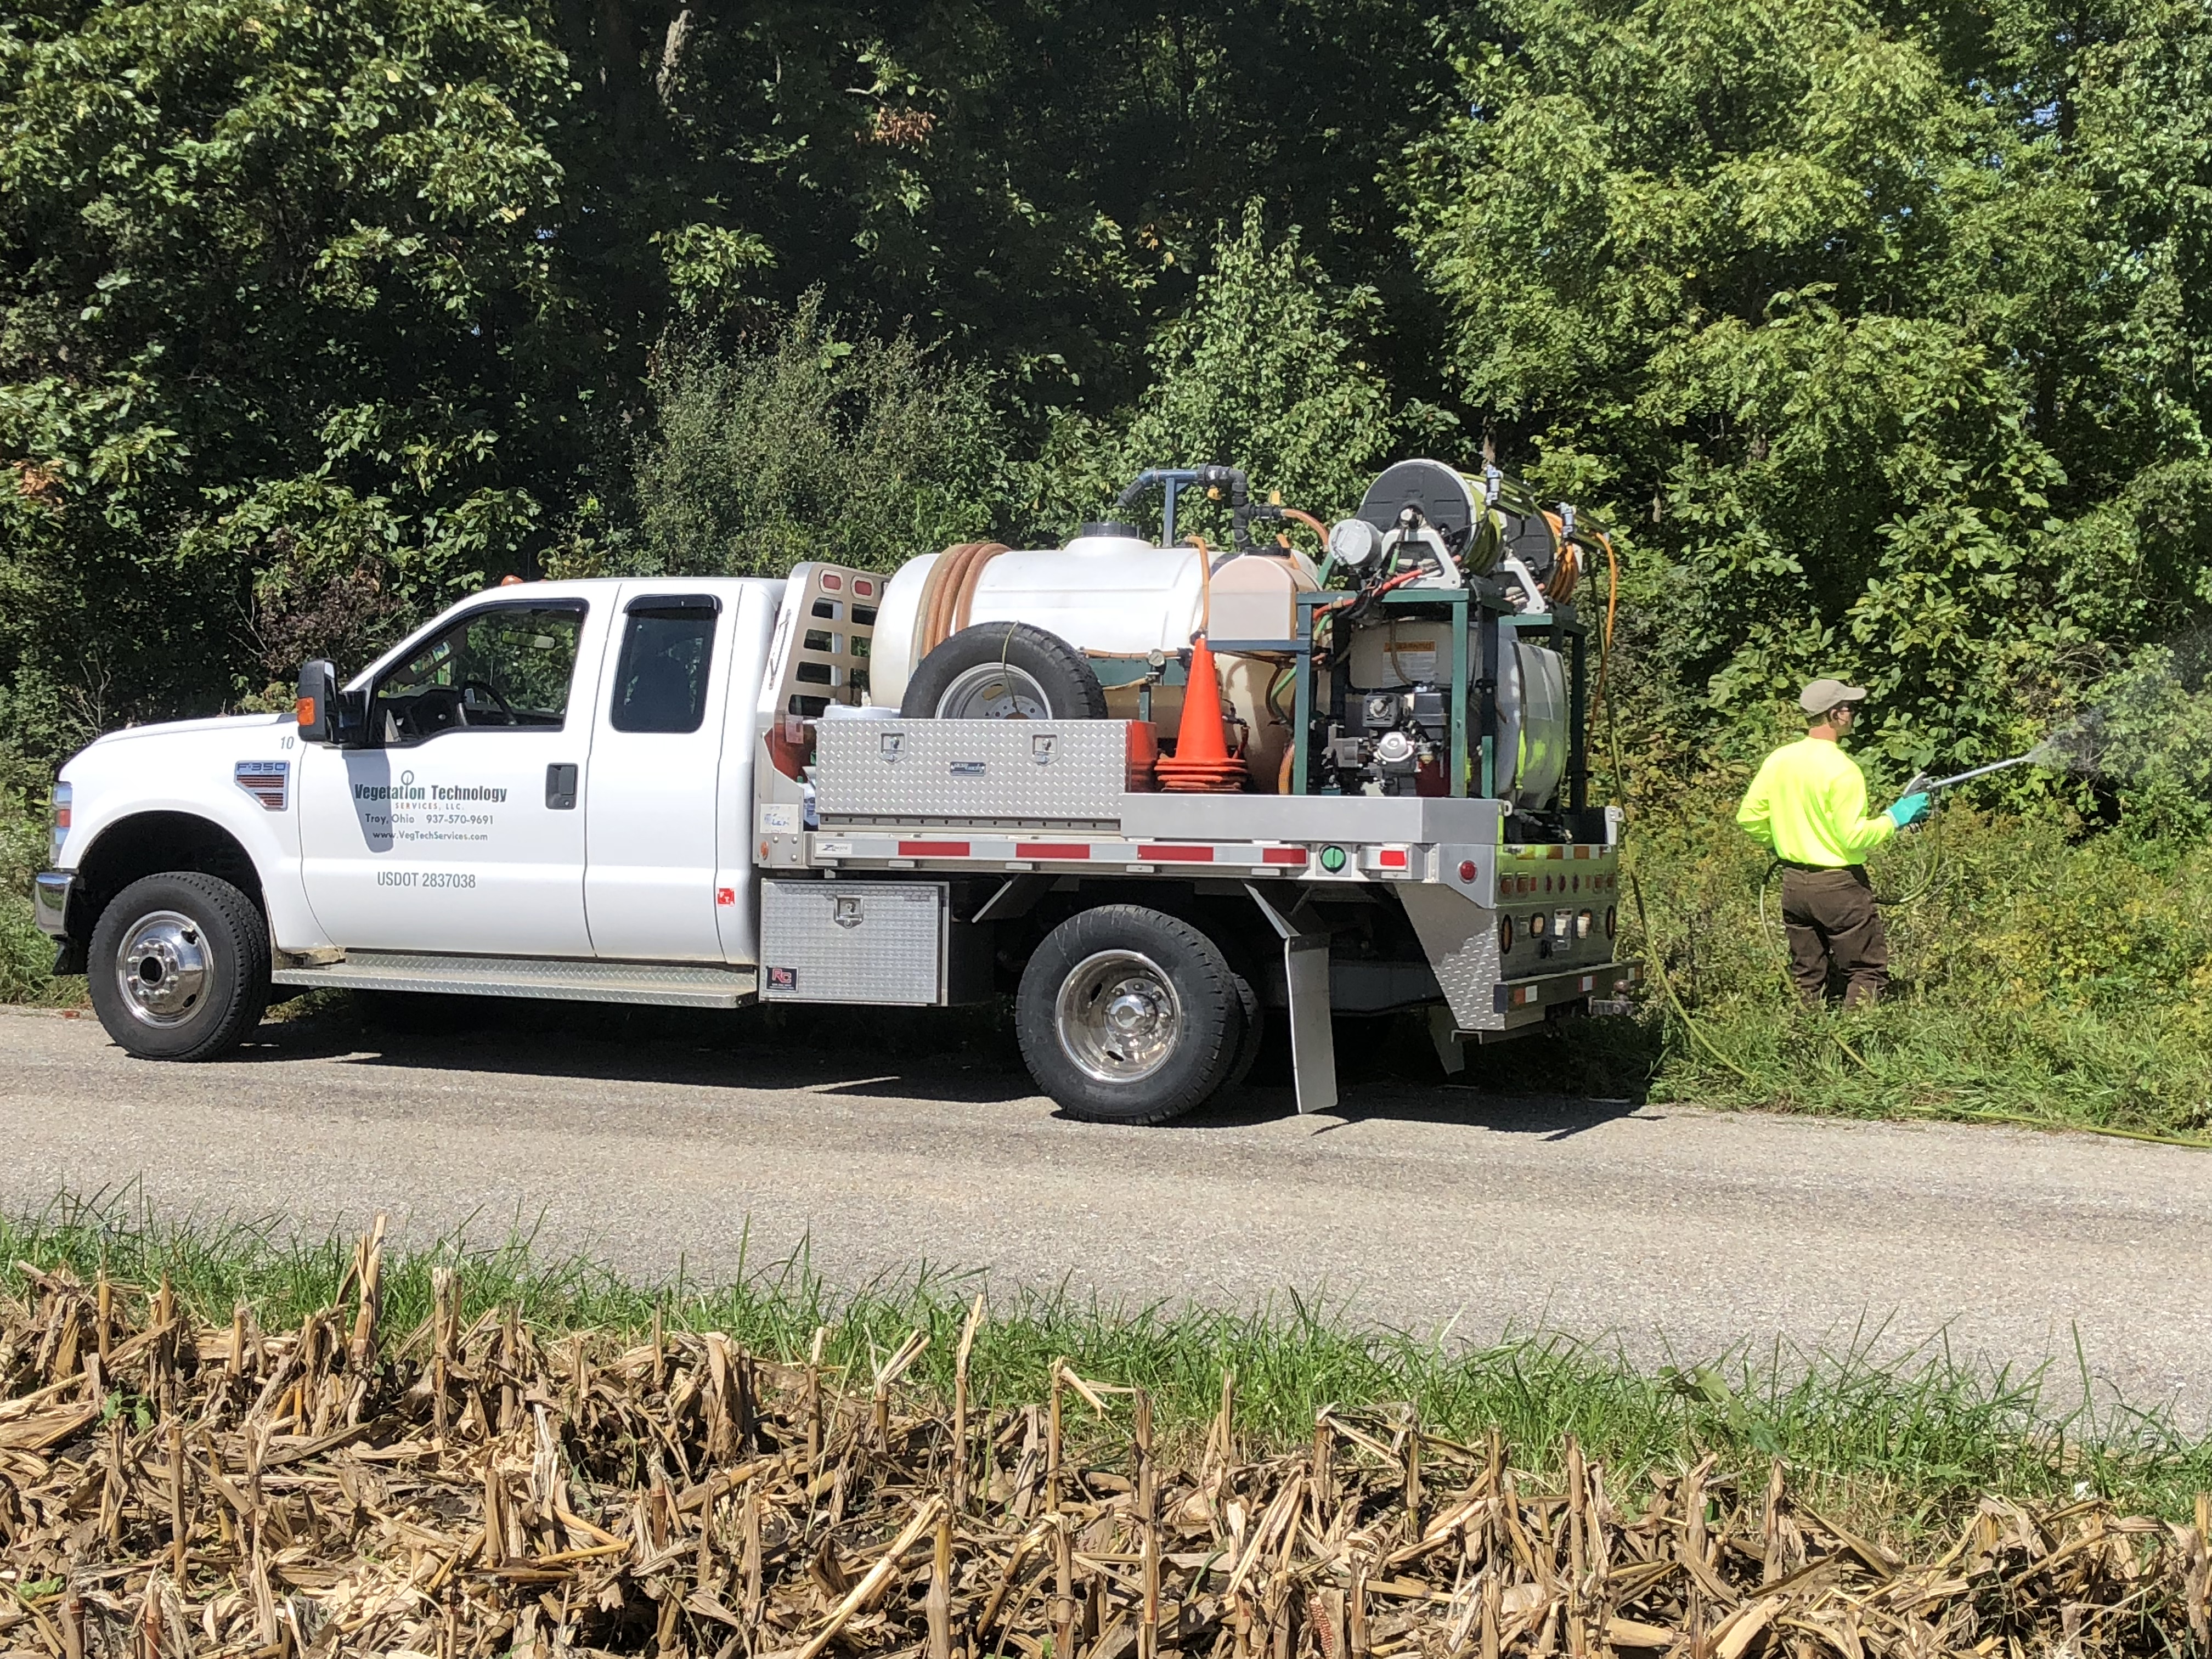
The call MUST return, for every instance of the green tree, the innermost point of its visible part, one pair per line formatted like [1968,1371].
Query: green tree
[1036,182]
[1829,294]
[1272,367]
[271,281]
[807,446]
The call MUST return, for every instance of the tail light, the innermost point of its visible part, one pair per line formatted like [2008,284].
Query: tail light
[63,796]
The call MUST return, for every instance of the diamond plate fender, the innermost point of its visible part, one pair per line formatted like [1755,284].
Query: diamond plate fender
[1460,939]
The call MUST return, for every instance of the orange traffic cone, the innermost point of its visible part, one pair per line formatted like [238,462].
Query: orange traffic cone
[1201,763]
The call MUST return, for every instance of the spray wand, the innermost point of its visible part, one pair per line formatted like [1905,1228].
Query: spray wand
[1923,784]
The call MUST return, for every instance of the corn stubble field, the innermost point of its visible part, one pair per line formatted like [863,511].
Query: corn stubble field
[472,1487]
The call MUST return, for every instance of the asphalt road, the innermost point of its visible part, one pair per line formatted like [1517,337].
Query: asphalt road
[1670,1231]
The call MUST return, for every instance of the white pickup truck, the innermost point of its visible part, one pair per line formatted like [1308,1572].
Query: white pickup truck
[675,791]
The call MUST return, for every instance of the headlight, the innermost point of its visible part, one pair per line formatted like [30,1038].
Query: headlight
[1504,935]
[62,796]
[1536,925]
[1582,920]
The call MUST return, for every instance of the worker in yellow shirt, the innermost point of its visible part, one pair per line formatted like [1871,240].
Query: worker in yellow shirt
[1808,803]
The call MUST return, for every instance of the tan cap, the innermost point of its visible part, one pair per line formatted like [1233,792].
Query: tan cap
[1821,695]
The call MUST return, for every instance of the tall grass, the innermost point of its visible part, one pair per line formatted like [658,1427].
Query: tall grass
[26,954]
[2038,974]
[1899,1439]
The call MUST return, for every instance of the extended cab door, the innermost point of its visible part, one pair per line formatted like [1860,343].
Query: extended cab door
[461,828]
[649,887]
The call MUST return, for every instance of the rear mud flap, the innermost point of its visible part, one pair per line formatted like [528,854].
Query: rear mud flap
[1305,977]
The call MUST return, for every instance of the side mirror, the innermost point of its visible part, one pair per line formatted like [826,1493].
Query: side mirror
[317,705]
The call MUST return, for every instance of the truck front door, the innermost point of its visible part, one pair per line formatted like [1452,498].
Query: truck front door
[461,828]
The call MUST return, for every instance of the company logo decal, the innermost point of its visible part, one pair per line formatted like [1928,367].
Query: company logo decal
[408,790]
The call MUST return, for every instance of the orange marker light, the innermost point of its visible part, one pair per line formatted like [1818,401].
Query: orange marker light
[303,710]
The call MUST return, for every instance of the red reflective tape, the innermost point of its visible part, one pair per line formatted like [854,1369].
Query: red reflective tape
[1051,850]
[1176,854]
[1391,858]
[1283,855]
[932,849]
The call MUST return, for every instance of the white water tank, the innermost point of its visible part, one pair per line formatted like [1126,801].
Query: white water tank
[1110,595]
[1118,596]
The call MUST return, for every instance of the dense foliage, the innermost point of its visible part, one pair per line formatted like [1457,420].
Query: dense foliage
[1886,323]
[1874,329]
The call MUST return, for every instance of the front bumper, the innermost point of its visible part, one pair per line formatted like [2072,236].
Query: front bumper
[51,893]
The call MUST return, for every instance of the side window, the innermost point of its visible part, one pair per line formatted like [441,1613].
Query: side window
[661,679]
[503,666]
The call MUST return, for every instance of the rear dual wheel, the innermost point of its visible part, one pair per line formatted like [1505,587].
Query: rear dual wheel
[1128,1015]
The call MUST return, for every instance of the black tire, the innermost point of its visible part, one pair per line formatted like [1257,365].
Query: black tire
[1254,1040]
[1196,1019]
[1037,667]
[197,950]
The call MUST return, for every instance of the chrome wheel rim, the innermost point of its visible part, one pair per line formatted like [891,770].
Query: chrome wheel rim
[993,691]
[161,968]
[1118,1017]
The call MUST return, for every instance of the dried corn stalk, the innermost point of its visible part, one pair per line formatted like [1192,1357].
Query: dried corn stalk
[169,1489]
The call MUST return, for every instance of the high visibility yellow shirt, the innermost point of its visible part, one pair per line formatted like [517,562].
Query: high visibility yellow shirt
[1808,803]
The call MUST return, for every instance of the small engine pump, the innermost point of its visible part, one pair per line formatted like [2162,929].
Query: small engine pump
[1399,746]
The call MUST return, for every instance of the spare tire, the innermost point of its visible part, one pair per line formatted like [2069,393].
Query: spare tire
[1006,670]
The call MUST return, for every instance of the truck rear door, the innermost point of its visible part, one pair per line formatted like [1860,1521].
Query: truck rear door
[651,807]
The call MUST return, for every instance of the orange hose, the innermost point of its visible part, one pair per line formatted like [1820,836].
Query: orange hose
[1205,580]
[1311,523]
[1565,567]
[963,602]
[947,577]
[932,600]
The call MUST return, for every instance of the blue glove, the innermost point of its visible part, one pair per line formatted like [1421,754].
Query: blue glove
[1910,810]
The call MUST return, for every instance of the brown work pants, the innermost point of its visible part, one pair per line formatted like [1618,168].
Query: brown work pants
[1832,921]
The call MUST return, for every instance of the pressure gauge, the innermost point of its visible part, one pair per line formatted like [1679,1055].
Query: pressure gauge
[1354,543]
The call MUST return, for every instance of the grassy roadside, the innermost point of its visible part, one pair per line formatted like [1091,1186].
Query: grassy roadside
[2039,974]
[1900,1444]
[26,954]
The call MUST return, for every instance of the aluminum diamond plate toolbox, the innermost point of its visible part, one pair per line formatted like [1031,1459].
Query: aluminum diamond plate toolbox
[1001,771]
[887,942]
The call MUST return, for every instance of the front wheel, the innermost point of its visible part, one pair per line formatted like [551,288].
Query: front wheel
[179,966]
[1128,1016]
